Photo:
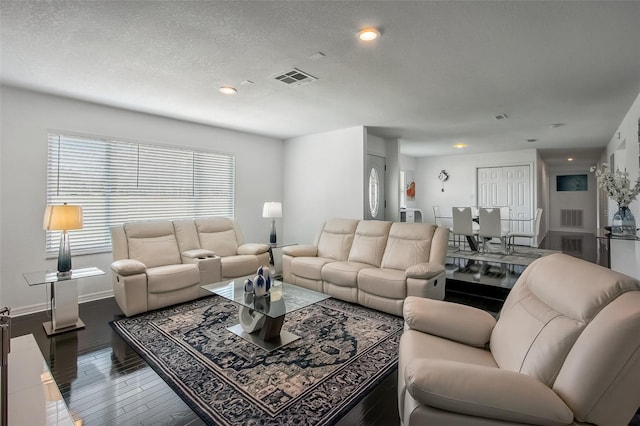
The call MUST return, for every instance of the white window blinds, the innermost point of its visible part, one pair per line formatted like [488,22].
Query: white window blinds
[117,182]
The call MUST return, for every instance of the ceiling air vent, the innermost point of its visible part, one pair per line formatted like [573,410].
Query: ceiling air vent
[500,116]
[295,77]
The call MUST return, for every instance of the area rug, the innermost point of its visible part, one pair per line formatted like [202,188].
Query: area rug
[345,350]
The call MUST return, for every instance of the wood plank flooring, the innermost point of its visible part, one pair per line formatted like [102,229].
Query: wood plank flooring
[104,382]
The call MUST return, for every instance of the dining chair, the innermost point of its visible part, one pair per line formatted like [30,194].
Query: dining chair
[494,223]
[464,226]
[535,231]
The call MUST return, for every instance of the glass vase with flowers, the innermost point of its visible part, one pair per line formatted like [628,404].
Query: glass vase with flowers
[619,189]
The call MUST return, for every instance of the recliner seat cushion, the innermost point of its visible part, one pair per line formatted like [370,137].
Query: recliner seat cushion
[383,282]
[309,267]
[172,277]
[237,266]
[343,273]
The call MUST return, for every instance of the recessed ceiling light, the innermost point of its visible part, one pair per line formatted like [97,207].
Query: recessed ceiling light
[368,34]
[570,159]
[460,145]
[227,90]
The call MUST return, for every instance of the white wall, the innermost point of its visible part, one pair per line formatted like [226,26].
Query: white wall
[460,188]
[323,179]
[25,119]
[393,180]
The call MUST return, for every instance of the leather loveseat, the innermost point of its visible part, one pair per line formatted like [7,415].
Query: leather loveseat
[374,263]
[564,351]
[161,263]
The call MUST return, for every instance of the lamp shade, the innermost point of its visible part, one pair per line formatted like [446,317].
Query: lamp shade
[272,209]
[62,217]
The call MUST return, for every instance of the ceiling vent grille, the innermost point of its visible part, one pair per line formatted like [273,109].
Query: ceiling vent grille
[500,116]
[295,77]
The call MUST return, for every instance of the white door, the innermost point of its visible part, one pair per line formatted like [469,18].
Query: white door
[374,198]
[508,186]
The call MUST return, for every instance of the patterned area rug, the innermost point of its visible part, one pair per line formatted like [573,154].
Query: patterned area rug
[345,350]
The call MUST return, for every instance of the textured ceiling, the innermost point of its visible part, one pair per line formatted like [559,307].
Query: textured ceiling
[437,76]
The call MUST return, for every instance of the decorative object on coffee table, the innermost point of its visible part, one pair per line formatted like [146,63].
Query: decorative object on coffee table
[619,189]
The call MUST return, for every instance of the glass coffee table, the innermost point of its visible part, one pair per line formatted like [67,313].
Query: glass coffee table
[261,317]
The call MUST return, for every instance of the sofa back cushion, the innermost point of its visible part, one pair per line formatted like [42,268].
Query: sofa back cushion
[551,304]
[152,243]
[369,242]
[336,238]
[186,234]
[218,234]
[408,244]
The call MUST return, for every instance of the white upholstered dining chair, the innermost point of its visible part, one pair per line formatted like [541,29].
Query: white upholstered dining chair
[494,223]
[463,224]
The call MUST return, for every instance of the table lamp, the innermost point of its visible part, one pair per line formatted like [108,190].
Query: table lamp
[63,218]
[272,210]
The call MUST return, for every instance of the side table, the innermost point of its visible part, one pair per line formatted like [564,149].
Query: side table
[275,258]
[64,297]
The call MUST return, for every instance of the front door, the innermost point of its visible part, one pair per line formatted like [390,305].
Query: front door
[374,198]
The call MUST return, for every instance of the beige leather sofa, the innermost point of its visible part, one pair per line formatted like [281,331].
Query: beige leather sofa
[565,351]
[161,263]
[374,263]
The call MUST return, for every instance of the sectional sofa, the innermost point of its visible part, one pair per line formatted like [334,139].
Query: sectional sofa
[374,263]
[161,263]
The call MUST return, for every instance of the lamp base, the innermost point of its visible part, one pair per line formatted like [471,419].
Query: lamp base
[272,235]
[64,255]
[48,327]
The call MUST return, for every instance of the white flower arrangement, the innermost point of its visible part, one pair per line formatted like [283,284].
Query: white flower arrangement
[617,185]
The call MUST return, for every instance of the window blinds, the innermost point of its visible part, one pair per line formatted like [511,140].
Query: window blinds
[117,182]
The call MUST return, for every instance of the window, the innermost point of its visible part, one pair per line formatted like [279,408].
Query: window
[117,182]
[374,192]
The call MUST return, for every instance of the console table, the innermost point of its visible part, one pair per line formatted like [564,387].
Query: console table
[64,297]
[623,253]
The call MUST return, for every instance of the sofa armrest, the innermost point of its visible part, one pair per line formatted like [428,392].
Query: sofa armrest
[301,250]
[487,392]
[253,248]
[127,267]
[424,271]
[198,254]
[461,323]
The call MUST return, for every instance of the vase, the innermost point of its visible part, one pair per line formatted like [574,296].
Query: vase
[623,224]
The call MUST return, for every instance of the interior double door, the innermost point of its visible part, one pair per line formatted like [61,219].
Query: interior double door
[510,186]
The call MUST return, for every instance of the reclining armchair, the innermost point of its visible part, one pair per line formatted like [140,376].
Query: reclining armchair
[564,351]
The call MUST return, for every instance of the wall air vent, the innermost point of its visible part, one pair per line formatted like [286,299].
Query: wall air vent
[295,77]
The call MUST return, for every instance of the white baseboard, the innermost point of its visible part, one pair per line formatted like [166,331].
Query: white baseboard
[40,307]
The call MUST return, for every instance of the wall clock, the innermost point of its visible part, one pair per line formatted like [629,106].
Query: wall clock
[443,176]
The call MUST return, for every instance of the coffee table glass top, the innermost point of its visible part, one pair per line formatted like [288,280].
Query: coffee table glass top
[282,299]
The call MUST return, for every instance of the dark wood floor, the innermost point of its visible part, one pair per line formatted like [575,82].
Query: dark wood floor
[104,382]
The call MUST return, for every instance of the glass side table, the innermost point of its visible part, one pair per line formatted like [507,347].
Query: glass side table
[275,258]
[64,297]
